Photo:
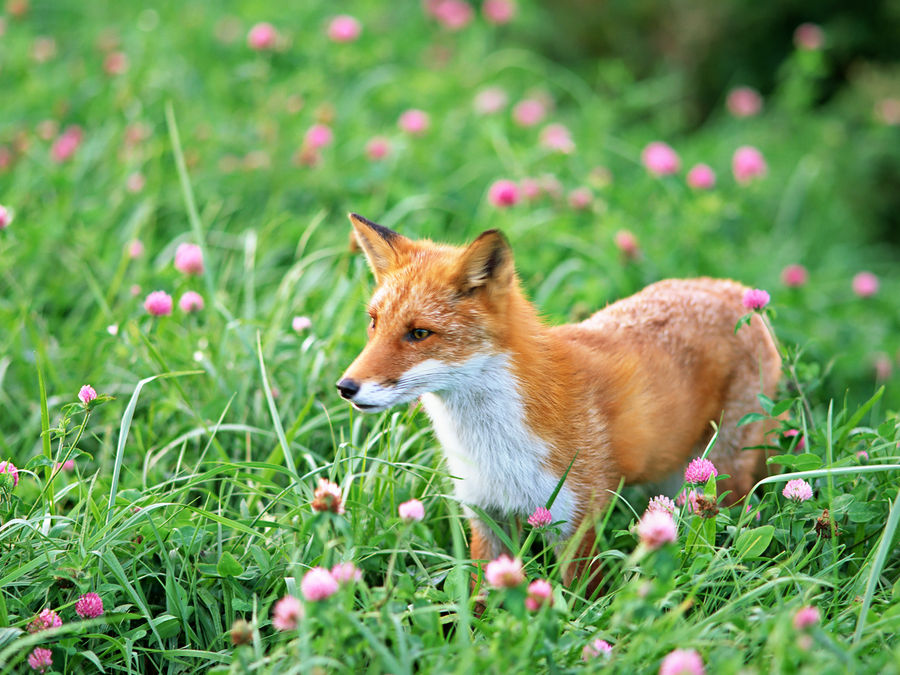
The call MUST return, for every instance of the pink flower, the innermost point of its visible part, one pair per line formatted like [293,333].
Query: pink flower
[865,284]
[794,276]
[135,182]
[414,122]
[790,433]
[87,394]
[262,36]
[798,490]
[345,573]
[40,659]
[191,302]
[862,456]
[135,249]
[115,63]
[318,136]
[411,511]
[688,497]
[328,497]
[540,518]
[596,648]
[701,177]
[158,303]
[662,504]
[451,14]
[300,323]
[529,112]
[744,102]
[66,144]
[747,164]
[5,217]
[540,593]
[660,159]
[46,620]
[809,37]
[498,11]
[8,468]
[887,111]
[503,193]
[287,613]
[344,28]
[531,188]
[750,508]
[89,606]
[378,148]
[489,101]
[556,137]
[656,528]
[806,617]
[581,198]
[135,290]
[627,243]
[68,465]
[318,584]
[189,259]
[699,470]
[504,572]
[551,185]
[755,299]
[682,662]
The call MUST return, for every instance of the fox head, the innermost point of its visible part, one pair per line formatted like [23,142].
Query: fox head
[436,314]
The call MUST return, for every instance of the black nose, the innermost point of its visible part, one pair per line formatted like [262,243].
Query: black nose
[348,388]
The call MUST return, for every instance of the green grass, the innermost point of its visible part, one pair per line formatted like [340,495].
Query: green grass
[189,504]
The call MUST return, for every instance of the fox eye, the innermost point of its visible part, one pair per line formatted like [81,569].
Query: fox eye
[372,323]
[419,334]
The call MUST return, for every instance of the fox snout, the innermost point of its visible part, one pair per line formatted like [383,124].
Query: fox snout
[347,388]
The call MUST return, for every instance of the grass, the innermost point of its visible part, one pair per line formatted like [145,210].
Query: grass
[188,507]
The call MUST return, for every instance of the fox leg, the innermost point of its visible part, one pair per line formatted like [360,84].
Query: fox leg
[746,467]
[583,567]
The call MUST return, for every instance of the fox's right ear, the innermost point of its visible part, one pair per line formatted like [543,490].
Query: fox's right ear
[381,246]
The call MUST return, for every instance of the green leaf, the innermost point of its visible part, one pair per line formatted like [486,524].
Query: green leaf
[753,543]
[765,402]
[863,512]
[752,417]
[743,321]
[9,634]
[228,566]
[804,462]
[782,407]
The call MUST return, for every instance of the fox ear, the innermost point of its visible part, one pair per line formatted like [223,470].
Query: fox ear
[486,263]
[381,246]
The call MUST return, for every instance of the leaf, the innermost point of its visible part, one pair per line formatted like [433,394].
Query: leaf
[166,625]
[753,543]
[743,321]
[228,566]
[863,512]
[804,462]
[752,417]
[782,407]
[9,634]
[765,402]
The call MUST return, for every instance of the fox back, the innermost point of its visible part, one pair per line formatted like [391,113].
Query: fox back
[517,404]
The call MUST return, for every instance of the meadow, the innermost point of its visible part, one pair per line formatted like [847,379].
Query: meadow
[175,180]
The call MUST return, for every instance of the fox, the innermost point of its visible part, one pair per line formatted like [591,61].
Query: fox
[524,410]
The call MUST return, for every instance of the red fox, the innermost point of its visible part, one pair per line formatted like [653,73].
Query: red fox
[630,392]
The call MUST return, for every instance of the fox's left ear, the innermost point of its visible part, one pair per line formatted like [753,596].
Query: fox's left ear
[383,247]
[487,263]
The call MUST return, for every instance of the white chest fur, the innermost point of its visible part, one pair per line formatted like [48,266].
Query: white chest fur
[480,422]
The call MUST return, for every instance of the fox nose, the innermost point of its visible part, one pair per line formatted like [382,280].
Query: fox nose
[348,388]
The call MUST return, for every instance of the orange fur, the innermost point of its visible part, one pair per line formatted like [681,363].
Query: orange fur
[631,391]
